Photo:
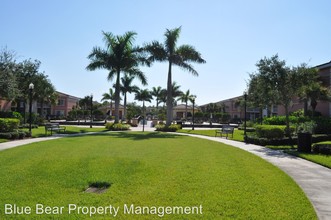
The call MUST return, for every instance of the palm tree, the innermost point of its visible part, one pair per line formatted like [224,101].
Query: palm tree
[186,97]
[109,96]
[143,95]
[181,56]
[126,87]
[119,56]
[157,93]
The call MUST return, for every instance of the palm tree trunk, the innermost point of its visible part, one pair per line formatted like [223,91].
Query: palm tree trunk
[186,111]
[144,115]
[111,109]
[117,97]
[124,112]
[169,97]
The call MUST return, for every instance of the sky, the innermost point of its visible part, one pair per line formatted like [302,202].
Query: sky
[232,36]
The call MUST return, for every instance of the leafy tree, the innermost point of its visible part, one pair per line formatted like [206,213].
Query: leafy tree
[186,97]
[119,56]
[133,110]
[44,91]
[181,56]
[281,81]
[312,88]
[8,81]
[126,87]
[144,96]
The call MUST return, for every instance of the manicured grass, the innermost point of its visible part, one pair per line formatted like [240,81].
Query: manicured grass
[324,160]
[3,140]
[40,131]
[148,169]
[238,135]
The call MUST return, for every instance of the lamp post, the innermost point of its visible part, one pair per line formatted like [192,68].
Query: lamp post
[31,87]
[193,102]
[91,119]
[245,106]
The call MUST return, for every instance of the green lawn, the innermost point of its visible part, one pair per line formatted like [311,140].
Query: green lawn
[3,140]
[324,160]
[40,131]
[238,135]
[148,169]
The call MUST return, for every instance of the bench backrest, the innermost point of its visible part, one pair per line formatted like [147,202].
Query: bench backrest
[227,128]
[52,125]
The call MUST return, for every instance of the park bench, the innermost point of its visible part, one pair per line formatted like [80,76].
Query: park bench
[226,130]
[54,127]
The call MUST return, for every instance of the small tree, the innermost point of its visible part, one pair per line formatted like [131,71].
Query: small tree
[281,82]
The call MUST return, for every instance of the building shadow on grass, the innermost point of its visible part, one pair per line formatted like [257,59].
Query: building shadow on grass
[132,135]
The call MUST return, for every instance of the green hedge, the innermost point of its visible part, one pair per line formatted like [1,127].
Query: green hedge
[281,120]
[322,148]
[9,124]
[171,128]
[14,135]
[117,127]
[270,131]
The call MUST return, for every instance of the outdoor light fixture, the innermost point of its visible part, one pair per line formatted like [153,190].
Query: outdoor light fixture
[193,102]
[245,116]
[91,119]
[31,87]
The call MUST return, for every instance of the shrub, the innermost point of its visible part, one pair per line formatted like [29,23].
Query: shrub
[307,127]
[270,131]
[281,120]
[28,126]
[273,142]
[322,148]
[171,128]
[8,124]
[117,126]
[323,125]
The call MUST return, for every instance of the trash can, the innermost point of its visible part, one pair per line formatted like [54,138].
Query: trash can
[304,142]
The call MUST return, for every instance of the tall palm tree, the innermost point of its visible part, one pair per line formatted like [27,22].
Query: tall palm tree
[119,56]
[181,56]
[109,96]
[157,93]
[126,87]
[144,96]
[186,97]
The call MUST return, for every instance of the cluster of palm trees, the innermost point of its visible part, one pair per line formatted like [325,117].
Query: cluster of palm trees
[144,95]
[121,58]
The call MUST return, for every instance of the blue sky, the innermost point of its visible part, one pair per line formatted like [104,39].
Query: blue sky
[231,36]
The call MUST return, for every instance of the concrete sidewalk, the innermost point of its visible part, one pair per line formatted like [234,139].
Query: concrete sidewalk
[314,179]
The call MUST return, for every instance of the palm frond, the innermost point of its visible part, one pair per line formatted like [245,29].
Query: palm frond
[189,53]
[156,50]
[171,38]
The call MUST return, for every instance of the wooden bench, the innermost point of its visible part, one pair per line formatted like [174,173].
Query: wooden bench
[54,127]
[226,130]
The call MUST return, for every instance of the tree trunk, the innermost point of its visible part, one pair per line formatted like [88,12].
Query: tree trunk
[169,97]
[185,111]
[287,119]
[117,97]
[144,115]
[313,105]
[305,107]
[124,111]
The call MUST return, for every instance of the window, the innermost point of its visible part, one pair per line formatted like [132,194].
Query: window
[60,102]
[59,113]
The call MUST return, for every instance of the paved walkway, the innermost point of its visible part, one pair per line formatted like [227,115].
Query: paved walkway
[315,180]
